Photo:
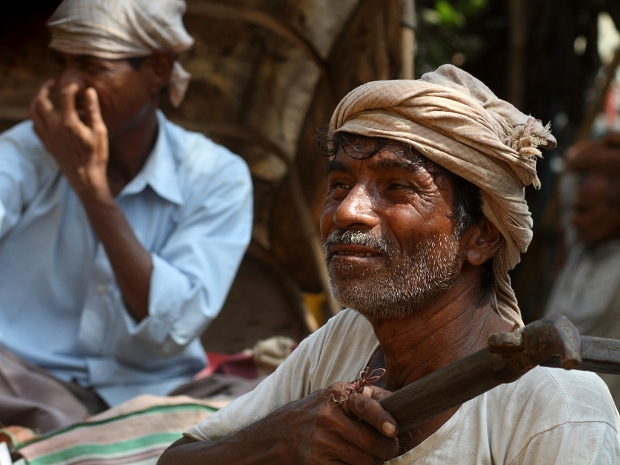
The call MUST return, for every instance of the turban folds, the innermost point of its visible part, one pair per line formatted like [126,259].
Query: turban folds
[455,120]
[116,29]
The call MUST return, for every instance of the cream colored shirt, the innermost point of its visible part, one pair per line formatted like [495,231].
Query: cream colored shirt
[549,416]
[587,291]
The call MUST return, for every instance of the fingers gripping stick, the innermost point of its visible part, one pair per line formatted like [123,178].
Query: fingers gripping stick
[346,389]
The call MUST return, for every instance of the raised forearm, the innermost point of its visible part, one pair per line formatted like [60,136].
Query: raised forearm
[81,150]
[130,261]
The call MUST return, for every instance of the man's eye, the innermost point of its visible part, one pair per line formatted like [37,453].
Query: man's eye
[337,186]
[340,185]
[92,68]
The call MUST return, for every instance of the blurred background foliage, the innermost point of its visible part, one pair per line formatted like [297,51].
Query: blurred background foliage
[448,36]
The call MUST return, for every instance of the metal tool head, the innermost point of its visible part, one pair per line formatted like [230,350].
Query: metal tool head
[538,341]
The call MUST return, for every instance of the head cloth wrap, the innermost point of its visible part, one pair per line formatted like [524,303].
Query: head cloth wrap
[456,121]
[116,29]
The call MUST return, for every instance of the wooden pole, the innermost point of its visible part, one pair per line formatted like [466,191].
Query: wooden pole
[408,28]
[516,62]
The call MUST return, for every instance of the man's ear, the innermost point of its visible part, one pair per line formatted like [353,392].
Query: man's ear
[482,242]
[159,66]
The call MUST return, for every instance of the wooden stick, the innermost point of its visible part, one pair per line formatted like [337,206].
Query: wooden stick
[552,341]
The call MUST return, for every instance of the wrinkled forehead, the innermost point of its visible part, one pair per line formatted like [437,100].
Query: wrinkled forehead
[362,147]
[390,161]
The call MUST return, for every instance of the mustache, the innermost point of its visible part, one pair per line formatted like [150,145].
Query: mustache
[352,237]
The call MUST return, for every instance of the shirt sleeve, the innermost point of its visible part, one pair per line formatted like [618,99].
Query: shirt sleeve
[19,177]
[286,384]
[192,273]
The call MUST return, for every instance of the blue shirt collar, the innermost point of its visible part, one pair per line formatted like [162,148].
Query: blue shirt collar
[159,171]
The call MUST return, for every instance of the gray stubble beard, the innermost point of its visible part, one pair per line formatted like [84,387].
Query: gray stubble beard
[409,282]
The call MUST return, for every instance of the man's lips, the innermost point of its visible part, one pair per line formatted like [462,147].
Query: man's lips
[353,251]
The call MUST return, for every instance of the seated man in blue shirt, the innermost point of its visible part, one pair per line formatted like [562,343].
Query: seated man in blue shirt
[120,232]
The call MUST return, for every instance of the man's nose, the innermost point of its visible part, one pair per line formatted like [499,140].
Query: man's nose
[357,210]
[71,74]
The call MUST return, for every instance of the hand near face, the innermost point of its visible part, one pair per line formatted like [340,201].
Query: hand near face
[80,146]
[318,430]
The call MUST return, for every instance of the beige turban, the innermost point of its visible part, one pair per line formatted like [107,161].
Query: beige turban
[115,29]
[456,121]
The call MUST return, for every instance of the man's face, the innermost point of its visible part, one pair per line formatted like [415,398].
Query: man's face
[596,216]
[388,237]
[122,91]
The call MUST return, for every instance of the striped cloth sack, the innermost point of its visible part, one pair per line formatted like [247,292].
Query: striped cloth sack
[135,432]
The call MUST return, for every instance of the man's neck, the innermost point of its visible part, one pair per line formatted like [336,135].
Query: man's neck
[456,324]
[129,151]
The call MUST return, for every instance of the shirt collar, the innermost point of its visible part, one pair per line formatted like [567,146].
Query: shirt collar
[159,171]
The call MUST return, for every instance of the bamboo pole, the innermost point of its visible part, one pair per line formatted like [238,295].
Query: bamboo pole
[516,62]
[408,28]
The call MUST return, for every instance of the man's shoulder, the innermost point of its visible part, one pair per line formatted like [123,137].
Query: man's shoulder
[548,413]
[198,153]
[21,143]
[21,135]
[345,329]
[341,347]
[553,396]
[349,321]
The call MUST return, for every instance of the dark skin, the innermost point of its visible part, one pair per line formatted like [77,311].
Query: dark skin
[596,211]
[100,135]
[381,194]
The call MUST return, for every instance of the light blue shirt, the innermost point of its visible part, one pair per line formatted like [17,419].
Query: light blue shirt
[60,306]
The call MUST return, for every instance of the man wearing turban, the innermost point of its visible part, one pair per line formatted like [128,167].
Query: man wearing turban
[120,232]
[587,289]
[425,214]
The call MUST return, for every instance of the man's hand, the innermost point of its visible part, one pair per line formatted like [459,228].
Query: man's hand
[80,147]
[364,435]
[311,431]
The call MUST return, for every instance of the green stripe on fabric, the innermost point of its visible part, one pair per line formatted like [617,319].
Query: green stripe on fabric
[86,451]
[147,411]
